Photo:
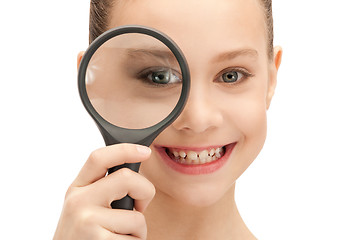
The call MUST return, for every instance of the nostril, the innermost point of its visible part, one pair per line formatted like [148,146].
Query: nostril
[197,123]
[200,113]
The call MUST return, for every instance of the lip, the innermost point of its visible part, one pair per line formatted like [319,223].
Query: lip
[198,169]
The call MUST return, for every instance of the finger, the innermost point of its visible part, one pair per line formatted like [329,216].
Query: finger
[122,222]
[114,236]
[103,233]
[102,159]
[125,237]
[120,183]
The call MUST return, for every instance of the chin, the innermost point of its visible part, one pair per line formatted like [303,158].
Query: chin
[201,196]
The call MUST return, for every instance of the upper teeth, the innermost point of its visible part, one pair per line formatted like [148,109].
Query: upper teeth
[197,157]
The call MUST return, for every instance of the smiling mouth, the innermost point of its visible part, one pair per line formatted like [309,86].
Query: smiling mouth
[196,161]
[190,157]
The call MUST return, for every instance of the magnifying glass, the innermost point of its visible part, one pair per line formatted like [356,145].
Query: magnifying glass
[134,82]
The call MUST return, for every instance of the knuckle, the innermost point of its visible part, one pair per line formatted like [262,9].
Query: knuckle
[94,157]
[69,191]
[85,224]
[81,213]
[73,200]
[71,204]
[86,218]
[125,173]
[149,188]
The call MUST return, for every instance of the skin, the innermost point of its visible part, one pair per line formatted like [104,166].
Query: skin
[217,113]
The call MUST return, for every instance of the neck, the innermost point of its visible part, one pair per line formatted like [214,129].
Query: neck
[166,217]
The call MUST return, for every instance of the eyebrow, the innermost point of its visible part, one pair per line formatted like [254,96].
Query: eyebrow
[158,53]
[237,53]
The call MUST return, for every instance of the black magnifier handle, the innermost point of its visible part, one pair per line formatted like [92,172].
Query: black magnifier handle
[127,202]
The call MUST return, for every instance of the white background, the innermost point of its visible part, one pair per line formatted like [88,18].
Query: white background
[304,184]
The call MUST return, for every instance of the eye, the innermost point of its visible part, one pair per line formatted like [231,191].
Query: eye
[158,76]
[163,77]
[233,75]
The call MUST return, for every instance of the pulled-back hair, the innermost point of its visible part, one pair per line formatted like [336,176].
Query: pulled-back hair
[99,17]
[100,14]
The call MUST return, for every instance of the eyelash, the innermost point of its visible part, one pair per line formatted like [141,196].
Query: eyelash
[144,76]
[245,73]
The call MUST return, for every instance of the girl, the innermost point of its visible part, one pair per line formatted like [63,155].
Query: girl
[229,48]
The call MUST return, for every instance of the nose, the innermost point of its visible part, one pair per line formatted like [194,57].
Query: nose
[201,113]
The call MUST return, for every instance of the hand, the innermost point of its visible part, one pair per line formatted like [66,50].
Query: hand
[87,213]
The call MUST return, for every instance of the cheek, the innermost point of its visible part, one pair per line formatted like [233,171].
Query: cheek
[250,119]
[250,122]
[245,118]
[245,111]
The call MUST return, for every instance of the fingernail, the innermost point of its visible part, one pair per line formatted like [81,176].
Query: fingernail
[143,149]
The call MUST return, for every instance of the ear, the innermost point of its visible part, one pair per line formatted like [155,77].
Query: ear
[273,69]
[79,57]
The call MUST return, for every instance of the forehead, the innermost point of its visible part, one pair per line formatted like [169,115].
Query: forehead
[221,25]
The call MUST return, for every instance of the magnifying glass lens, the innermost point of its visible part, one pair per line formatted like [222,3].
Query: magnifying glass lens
[133,81]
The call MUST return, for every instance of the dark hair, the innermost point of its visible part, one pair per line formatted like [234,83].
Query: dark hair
[99,17]
[267,4]
[100,14]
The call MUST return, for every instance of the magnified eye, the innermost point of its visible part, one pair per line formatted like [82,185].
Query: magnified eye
[160,76]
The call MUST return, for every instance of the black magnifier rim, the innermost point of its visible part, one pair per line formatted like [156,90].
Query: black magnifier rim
[141,30]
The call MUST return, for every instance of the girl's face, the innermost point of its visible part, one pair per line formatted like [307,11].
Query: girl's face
[225,44]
